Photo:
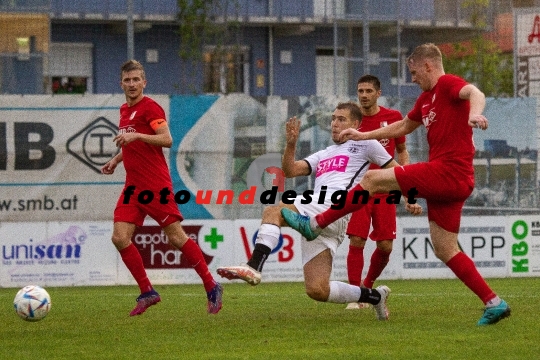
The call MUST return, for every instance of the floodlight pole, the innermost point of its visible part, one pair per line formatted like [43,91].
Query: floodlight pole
[130,31]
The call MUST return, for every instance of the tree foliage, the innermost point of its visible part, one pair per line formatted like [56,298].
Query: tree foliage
[480,60]
[204,22]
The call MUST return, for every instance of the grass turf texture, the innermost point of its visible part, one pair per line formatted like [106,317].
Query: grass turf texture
[429,319]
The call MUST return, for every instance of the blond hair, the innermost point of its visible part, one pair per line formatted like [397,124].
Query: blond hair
[428,51]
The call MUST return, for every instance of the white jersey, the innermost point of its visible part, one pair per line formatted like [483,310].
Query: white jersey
[339,167]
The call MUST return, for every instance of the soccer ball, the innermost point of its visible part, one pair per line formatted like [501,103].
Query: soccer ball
[32,303]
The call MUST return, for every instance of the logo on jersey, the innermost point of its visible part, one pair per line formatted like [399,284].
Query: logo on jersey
[129,129]
[355,148]
[384,142]
[429,119]
[336,163]
[132,115]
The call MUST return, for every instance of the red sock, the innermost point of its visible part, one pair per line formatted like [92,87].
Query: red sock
[379,260]
[329,216]
[467,272]
[355,264]
[194,255]
[133,260]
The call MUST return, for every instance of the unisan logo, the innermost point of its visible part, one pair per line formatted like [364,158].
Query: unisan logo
[64,248]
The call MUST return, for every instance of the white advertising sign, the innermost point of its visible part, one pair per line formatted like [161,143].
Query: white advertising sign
[57,254]
[51,151]
[76,254]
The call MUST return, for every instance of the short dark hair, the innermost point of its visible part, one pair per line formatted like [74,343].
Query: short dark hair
[354,109]
[372,79]
[131,65]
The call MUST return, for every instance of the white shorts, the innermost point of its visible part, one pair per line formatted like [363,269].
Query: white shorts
[330,238]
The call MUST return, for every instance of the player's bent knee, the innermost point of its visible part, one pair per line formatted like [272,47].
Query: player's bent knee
[318,293]
[120,242]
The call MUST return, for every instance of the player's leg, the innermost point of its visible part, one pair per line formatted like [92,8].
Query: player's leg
[267,239]
[355,265]
[317,273]
[384,232]
[355,259]
[121,238]
[317,258]
[379,260]
[358,231]
[193,254]
[169,218]
[374,181]
[445,245]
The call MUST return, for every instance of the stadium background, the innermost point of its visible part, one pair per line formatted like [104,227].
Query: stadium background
[55,207]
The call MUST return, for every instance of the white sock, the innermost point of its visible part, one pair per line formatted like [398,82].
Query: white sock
[343,293]
[268,235]
[313,224]
[496,301]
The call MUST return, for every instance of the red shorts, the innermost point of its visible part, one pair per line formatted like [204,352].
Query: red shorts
[382,216]
[444,186]
[134,211]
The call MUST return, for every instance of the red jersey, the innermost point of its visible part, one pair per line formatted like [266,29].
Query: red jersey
[446,116]
[145,164]
[381,119]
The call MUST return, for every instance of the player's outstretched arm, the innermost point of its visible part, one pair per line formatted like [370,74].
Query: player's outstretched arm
[290,166]
[395,130]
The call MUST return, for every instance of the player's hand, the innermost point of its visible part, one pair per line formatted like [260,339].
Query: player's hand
[351,134]
[292,130]
[414,209]
[124,139]
[478,121]
[109,167]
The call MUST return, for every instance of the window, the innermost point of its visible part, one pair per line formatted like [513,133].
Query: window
[326,84]
[401,65]
[226,70]
[68,85]
[70,68]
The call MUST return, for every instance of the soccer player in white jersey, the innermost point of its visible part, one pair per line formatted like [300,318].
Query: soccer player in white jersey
[338,168]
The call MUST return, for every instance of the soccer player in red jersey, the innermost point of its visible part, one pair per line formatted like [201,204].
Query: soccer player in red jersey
[143,132]
[377,213]
[449,108]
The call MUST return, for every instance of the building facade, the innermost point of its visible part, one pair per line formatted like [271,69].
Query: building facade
[276,47]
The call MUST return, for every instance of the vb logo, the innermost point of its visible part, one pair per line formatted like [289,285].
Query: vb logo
[284,248]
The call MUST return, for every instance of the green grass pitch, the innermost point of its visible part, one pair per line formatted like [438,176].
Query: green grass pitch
[429,319]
